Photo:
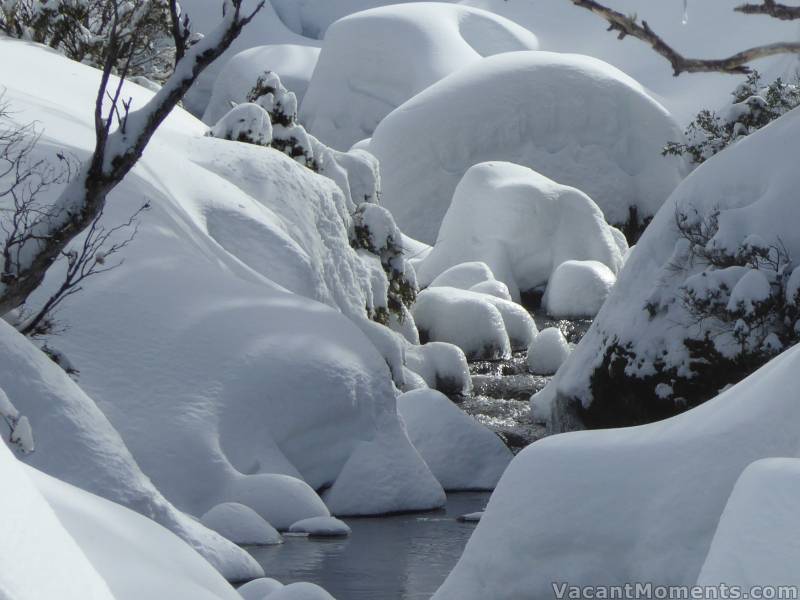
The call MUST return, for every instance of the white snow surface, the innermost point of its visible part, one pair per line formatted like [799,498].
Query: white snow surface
[521,224]
[321,527]
[752,184]
[461,453]
[241,524]
[547,352]
[259,589]
[292,62]
[225,386]
[577,289]
[574,119]
[634,504]
[754,544]
[300,591]
[373,61]
[442,366]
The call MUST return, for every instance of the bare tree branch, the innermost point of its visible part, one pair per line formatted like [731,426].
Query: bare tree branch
[734,64]
[772,9]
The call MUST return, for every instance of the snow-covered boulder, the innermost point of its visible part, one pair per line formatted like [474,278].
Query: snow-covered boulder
[547,352]
[241,525]
[293,63]
[373,61]
[475,276]
[577,289]
[521,224]
[754,544]
[259,589]
[574,119]
[461,453]
[442,366]
[300,591]
[641,504]
[321,527]
[483,326]
[669,336]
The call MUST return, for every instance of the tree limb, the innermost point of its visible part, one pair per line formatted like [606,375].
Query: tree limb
[771,9]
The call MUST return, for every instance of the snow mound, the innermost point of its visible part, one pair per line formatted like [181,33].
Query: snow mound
[33,542]
[384,475]
[754,543]
[373,61]
[548,351]
[495,288]
[293,63]
[241,524]
[466,319]
[259,589]
[475,276]
[622,505]
[521,224]
[321,527]
[300,591]
[442,366]
[245,122]
[461,453]
[574,119]
[136,557]
[578,289]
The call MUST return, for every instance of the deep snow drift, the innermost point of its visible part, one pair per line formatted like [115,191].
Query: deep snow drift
[634,504]
[522,225]
[574,119]
[373,61]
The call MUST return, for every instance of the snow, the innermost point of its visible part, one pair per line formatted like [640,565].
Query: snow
[225,351]
[373,61]
[136,557]
[461,453]
[548,351]
[442,366]
[521,224]
[33,542]
[578,289]
[638,503]
[245,122]
[574,119]
[472,517]
[241,524]
[463,276]
[293,63]
[300,591]
[321,527]
[754,544]
[259,589]
[751,184]
[492,288]
[466,319]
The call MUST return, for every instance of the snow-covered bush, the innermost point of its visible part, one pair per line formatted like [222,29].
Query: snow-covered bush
[248,123]
[754,105]
[20,433]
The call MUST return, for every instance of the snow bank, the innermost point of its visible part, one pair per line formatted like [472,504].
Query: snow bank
[442,366]
[241,524]
[633,504]
[135,556]
[321,527]
[33,543]
[461,453]
[754,544]
[259,589]
[300,591]
[373,61]
[225,386]
[521,224]
[293,63]
[475,276]
[548,351]
[750,188]
[574,119]
[578,289]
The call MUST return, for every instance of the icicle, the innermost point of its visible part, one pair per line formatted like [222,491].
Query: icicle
[685,18]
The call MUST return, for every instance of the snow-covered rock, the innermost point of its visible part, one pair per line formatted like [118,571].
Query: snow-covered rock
[246,122]
[373,61]
[259,589]
[754,544]
[300,591]
[293,63]
[548,351]
[321,527]
[740,197]
[475,276]
[521,224]
[241,524]
[461,453]
[638,503]
[577,289]
[442,366]
[574,119]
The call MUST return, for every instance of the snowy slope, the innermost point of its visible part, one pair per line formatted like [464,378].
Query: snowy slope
[634,504]
[224,386]
[373,61]
[574,119]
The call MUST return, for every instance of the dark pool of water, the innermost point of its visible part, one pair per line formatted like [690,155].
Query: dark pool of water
[403,557]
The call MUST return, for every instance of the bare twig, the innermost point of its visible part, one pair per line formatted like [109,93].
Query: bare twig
[771,9]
